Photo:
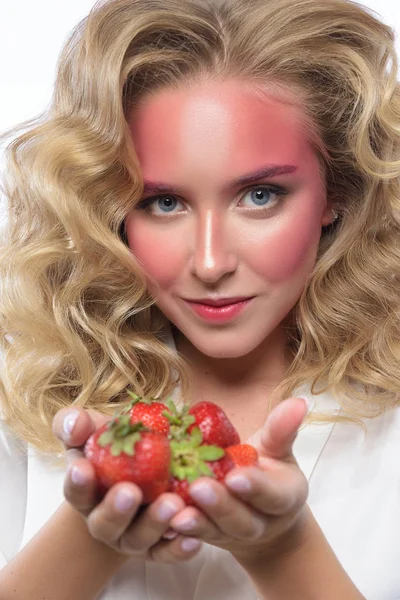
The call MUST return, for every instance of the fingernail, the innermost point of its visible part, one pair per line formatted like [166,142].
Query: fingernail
[238,483]
[170,534]
[69,423]
[307,403]
[124,500]
[166,511]
[77,476]
[190,544]
[202,492]
[186,524]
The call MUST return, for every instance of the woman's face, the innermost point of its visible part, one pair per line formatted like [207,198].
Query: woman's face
[234,206]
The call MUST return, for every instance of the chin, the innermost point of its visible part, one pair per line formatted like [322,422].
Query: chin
[221,345]
[222,352]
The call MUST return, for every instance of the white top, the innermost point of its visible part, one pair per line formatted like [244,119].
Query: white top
[354,493]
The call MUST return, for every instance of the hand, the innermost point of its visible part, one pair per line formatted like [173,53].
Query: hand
[255,522]
[117,520]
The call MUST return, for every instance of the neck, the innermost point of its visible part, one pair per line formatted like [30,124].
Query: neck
[260,371]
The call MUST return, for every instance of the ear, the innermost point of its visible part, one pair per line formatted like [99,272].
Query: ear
[327,215]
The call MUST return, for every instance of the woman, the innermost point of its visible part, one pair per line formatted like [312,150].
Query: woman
[209,209]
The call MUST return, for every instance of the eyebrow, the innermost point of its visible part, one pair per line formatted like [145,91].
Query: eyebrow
[262,173]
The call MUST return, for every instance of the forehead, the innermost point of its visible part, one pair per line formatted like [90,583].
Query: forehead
[221,121]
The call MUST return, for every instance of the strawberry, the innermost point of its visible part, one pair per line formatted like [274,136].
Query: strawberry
[214,425]
[149,412]
[159,416]
[121,451]
[243,455]
[192,459]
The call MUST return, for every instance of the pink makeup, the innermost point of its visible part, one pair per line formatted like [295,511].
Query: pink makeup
[233,208]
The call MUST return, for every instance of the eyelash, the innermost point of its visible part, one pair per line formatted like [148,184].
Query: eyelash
[278,191]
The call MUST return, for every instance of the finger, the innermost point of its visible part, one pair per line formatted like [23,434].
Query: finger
[229,514]
[276,492]
[170,534]
[152,523]
[281,428]
[180,549]
[193,522]
[80,486]
[74,425]
[72,455]
[108,521]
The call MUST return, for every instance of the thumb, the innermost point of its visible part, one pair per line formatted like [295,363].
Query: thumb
[83,424]
[281,427]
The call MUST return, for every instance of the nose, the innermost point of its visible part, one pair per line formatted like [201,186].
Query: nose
[212,259]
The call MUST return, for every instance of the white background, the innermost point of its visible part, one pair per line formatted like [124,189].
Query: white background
[32,33]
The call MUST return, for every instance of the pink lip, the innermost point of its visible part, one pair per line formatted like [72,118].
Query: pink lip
[219,314]
[219,301]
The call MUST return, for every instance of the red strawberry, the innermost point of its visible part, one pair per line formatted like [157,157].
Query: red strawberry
[243,455]
[214,425]
[149,412]
[191,459]
[159,416]
[120,451]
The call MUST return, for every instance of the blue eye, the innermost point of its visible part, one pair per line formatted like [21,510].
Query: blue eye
[166,204]
[263,195]
[160,205]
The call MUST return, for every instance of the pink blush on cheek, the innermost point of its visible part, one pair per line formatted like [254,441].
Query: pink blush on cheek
[285,254]
[160,259]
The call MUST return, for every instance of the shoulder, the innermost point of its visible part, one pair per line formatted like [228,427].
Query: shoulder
[382,439]
[381,434]
[362,458]
[345,449]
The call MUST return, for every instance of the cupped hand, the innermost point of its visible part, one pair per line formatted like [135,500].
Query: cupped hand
[257,509]
[118,519]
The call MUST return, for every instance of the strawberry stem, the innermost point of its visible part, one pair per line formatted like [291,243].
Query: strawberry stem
[189,456]
[179,420]
[122,435]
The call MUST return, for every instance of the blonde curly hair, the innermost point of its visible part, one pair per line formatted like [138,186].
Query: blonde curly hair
[77,324]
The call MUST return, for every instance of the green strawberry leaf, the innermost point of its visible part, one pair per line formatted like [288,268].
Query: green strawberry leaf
[172,413]
[188,457]
[192,477]
[106,438]
[133,395]
[177,449]
[174,445]
[124,430]
[196,437]
[122,435]
[211,452]
[178,471]
[128,446]
[188,442]
[172,406]
[179,419]
[114,420]
[117,447]
[171,418]
[183,447]
[205,470]
[135,400]
[123,426]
